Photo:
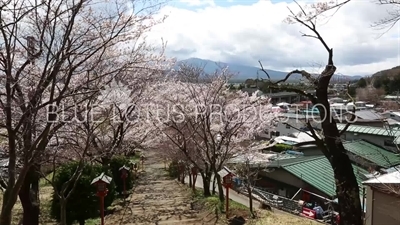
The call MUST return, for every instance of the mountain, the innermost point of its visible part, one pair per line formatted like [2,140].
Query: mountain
[390,73]
[246,72]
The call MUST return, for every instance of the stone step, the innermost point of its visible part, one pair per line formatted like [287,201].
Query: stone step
[172,222]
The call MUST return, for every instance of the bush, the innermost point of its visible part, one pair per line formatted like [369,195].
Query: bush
[115,164]
[173,169]
[83,203]
[281,147]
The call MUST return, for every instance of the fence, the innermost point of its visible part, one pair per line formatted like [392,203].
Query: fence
[279,202]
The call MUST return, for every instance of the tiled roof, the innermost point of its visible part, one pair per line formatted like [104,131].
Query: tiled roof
[373,153]
[369,130]
[318,173]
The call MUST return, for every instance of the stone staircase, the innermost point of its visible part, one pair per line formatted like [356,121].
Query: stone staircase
[159,200]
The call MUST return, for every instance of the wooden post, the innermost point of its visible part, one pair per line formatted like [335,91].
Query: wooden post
[227,202]
[102,209]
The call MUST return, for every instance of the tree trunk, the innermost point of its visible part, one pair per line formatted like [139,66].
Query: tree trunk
[213,186]
[5,217]
[190,181]
[206,184]
[347,190]
[63,207]
[250,200]
[183,177]
[29,197]
[220,188]
[10,197]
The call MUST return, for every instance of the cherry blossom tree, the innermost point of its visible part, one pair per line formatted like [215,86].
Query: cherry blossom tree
[53,56]
[247,166]
[206,121]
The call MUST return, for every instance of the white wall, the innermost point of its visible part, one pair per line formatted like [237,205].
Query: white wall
[382,209]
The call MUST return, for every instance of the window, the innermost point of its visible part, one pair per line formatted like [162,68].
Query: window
[389,143]
[277,133]
[391,115]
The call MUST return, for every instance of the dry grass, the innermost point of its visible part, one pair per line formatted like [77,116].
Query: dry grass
[281,218]
[45,198]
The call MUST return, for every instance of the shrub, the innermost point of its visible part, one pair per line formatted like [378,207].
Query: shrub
[173,169]
[115,164]
[83,203]
[281,147]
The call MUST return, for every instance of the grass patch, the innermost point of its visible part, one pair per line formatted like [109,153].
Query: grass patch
[282,219]
[45,182]
[236,209]
[213,204]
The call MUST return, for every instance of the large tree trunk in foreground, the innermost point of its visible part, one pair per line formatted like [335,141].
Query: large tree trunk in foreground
[29,197]
[347,189]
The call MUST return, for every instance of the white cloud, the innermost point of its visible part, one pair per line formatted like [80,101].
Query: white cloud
[198,2]
[247,33]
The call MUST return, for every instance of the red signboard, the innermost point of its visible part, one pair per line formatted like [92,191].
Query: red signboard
[309,213]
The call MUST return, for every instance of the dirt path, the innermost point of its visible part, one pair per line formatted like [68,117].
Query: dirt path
[157,200]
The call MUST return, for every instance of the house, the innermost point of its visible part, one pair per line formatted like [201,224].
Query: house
[311,173]
[385,137]
[289,97]
[361,152]
[392,124]
[290,123]
[391,115]
[370,156]
[383,199]
[364,117]
[392,97]
[336,100]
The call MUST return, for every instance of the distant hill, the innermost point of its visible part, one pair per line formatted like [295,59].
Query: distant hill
[390,73]
[246,72]
[389,80]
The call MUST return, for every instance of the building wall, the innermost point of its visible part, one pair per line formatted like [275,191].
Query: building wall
[286,130]
[284,177]
[382,208]
[375,139]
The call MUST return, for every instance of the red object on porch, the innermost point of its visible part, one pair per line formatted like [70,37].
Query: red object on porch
[308,213]
[306,197]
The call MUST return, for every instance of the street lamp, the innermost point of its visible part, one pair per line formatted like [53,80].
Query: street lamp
[101,183]
[227,177]
[124,175]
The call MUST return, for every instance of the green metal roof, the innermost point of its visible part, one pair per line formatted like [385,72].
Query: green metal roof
[289,161]
[318,173]
[369,130]
[373,153]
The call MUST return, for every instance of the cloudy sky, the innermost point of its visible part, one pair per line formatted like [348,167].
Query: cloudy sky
[245,31]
